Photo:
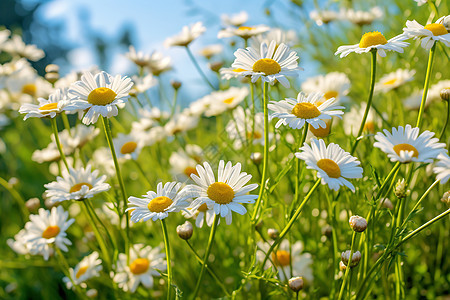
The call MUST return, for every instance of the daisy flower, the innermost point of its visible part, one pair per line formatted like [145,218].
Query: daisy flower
[46,108]
[444,20]
[406,145]
[332,85]
[143,84]
[48,228]
[271,64]
[19,243]
[442,168]
[235,19]
[180,123]
[361,18]
[221,101]
[394,80]
[434,93]
[182,165]
[226,194]
[240,129]
[429,33]
[87,268]
[332,164]
[352,120]
[211,50]
[310,109]
[157,206]
[128,146]
[158,63]
[324,16]
[374,40]
[287,256]
[319,132]
[16,47]
[76,185]
[140,58]
[79,135]
[99,95]
[145,263]
[202,214]
[244,32]
[186,36]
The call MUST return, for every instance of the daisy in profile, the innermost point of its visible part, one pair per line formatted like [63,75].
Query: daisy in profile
[47,229]
[18,244]
[394,80]
[145,263]
[241,128]
[305,109]
[332,85]
[332,164]
[180,123]
[182,165]
[158,63]
[442,169]
[87,268]
[157,206]
[99,95]
[224,195]
[143,84]
[186,36]
[270,64]
[361,18]
[244,32]
[16,47]
[128,146]
[140,58]
[352,120]
[235,19]
[47,107]
[324,16]
[406,145]
[221,101]
[202,214]
[211,50]
[429,34]
[374,40]
[76,185]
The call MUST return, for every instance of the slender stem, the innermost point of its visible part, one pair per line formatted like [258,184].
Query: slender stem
[169,265]
[446,121]
[194,61]
[373,70]
[347,270]
[297,167]
[174,104]
[427,84]
[65,121]
[421,199]
[65,269]
[58,143]
[291,222]
[262,187]
[17,197]
[122,185]
[139,167]
[205,257]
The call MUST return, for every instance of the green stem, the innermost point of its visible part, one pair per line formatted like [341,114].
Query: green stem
[122,185]
[421,199]
[205,257]
[298,167]
[139,167]
[174,104]
[65,121]
[17,197]
[347,270]
[427,84]
[446,121]
[65,269]
[169,265]
[58,143]
[373,70]
[194,61]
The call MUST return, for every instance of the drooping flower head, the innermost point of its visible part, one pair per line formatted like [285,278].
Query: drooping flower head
[186,36]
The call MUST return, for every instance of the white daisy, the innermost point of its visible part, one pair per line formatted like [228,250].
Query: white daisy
[99,95]
[394,80]
[429,33]
[331,162]
[16,47]
[128,146]
[211,50]
[157,206]
[244,32]
[76,185]
[444,20]
[145,263]
[271,63]
[180,123]
[221,101]
[182,165]
[87,268]
[374,40]
[46,108]
[142,84]
[319,132]
[406,145]
[159,63]
[48,228]
[202,214]
[226,194]
[352,120]
[361,18]
[140,58]
[235,19]
[332,85]
[186,36]
[79,135]
[324,16]
[421,2]
[434,93]
[310,109]
[19,243]
[240,129]
[442,168]
[4,36]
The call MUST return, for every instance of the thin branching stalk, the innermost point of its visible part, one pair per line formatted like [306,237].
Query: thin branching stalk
[426,86]
[194,61]
[168,258]
[58,143]
[348,269]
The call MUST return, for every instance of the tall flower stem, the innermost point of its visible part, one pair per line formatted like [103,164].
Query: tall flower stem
[205,257]
[17,197]
[347,270]
[441,135]
[65,268]
[298,165]
[169,265]
[58,143]
[122,185]
[65,121]
[373,69]
[174,103]
[427,84]
[262,186]
[194,61]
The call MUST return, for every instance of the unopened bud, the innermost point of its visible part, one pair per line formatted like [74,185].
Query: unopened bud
[215,66]
[13,181]
[52,68]
[273,233]
[185,231]
[356,257]
[175,84]
[256,157]
[92,293]
[52,77]
[327,230]
[296,283]
[49,204]
[400,189]
[445,94]
[446,197]
[357,223]
[33,204]
[386,203]
[342,266]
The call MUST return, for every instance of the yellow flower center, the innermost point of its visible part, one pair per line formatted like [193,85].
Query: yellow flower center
[101,96]
[389,82]
[372,39]
[406,147]
[139,266]
[78,187]
[159,204]
[220,192]
[305,110]
[228,100]
[330,167]
[267,66]
[369,126]
[203,207]
[81,271]
[256,135]
[281,258]
[330,94]
[49,106]
[51,232]
[238,70]
[128,147]
[189,171]
[29,89]
[246,28]
[320,132]
[436,29]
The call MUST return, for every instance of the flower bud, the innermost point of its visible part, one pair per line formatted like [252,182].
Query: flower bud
[52,68]
[296,283]
[52,77]
[445,94]
[400,189]
[356,257]
[175,84]
[92,293]
[256,157]
[327,230]
[357,223]
[273,233]
[33,204]
[13,181]
[446,197]
[215,66]
[386,203]
[342,266]
[185,231]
